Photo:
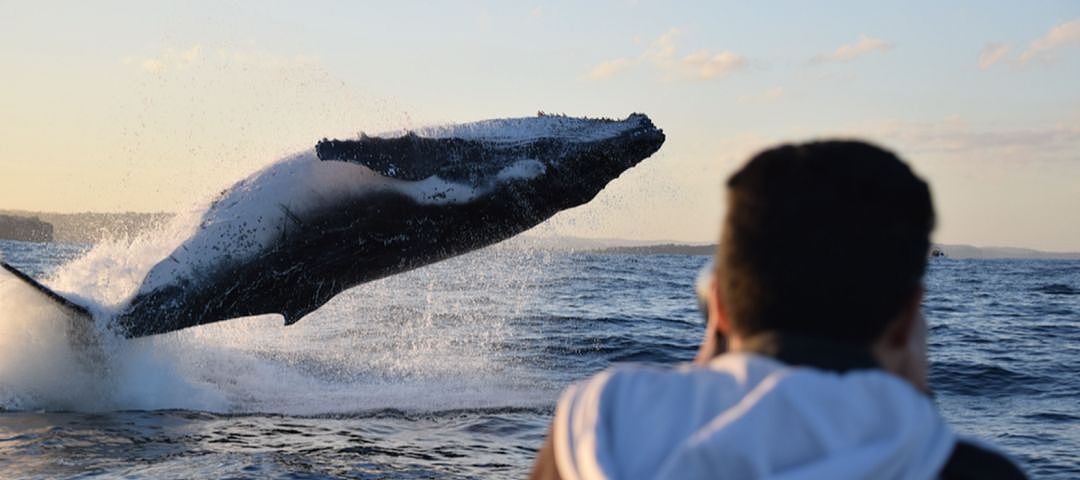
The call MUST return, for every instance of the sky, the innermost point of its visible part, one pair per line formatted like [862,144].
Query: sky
[155,106]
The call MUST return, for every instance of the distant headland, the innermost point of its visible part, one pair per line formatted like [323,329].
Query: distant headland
[26,229]
[639,247]
[957,252]
[662,249]
[82,227]
[95,227]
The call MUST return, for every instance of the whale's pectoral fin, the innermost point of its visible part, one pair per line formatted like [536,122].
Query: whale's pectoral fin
[59,300]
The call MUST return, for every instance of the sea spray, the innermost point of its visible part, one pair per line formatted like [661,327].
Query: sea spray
[108,273]
[426,340]
[38,367]
[52,360]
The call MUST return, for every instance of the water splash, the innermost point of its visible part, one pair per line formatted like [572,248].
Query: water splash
[428,340]
[52,360]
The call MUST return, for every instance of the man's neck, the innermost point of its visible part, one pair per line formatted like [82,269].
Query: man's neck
[807,351]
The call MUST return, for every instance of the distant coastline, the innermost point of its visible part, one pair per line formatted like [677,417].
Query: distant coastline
[958,252]
[662,249]
[95,227]
[961,252]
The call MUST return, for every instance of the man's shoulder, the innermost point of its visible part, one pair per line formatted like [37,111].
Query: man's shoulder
[630,401]
[628,417]
[744,366]
[653,385]
[969,460]
[634,383]
[644,416]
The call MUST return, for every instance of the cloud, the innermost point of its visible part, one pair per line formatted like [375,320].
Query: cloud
[992,53]
[610,68]
[770,95]
[855,50]
[663,48]
[170,59]
[955,136]
[705,66]
[1042,48]
[661,56]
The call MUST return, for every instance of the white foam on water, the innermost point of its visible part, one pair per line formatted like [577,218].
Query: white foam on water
[421,341]
[428,340]
[37,363]
[44,363]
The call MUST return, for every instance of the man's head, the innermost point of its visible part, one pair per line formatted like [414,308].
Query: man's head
[824,239]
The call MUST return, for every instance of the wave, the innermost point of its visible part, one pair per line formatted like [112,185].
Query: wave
[1056,289]
[983,380]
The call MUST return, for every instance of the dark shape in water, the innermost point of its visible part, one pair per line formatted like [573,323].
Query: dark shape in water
[435,194]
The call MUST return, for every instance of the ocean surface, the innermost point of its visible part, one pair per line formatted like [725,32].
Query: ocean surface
[452,371]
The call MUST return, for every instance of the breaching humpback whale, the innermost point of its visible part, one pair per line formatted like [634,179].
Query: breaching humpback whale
[293,235]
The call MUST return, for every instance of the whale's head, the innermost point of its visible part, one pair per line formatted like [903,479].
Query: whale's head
[551,155]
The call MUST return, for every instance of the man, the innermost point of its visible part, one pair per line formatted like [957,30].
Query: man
[814,361]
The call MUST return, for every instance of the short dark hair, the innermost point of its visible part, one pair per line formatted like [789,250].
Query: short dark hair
[827,238]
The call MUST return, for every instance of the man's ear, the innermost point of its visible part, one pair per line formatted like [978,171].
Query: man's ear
[900,331]
[902,349]
[717,327]
[718,318]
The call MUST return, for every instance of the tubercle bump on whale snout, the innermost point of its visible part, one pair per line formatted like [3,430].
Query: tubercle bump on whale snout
[645,125]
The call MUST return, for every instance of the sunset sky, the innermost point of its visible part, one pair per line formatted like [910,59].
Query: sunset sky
[153,106]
